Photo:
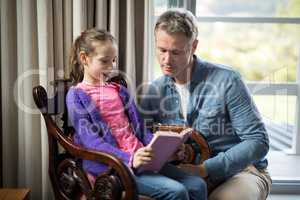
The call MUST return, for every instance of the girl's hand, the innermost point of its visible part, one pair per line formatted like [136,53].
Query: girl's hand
[142,157]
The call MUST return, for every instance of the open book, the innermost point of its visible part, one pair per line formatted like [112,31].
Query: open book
[164,145]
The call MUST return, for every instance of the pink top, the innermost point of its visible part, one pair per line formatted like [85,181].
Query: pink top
[108,102]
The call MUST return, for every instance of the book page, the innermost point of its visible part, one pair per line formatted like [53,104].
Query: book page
[185,134]
[164,145]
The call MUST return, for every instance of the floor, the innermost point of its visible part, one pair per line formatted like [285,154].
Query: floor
[284,166]
[283,197]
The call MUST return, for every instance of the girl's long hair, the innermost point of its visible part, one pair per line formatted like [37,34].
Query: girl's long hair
[84,42]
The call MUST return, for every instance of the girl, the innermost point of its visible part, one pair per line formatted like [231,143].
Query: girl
[105,119]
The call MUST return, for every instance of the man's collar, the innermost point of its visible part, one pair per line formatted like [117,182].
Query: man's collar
[196,75]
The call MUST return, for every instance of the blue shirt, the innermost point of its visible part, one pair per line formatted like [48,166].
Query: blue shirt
[221,108]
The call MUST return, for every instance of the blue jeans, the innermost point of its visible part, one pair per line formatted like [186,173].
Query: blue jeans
[171,184]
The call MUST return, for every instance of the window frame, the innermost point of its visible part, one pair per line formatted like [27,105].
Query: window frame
[292,89]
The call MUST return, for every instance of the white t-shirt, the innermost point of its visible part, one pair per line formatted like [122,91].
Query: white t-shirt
[184,94]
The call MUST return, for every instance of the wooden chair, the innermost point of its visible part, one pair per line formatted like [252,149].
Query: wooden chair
[68,179]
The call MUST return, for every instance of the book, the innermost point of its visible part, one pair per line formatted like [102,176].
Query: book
[164,145]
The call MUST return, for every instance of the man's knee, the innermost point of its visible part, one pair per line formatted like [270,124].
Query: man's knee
[245,185]
[235,195]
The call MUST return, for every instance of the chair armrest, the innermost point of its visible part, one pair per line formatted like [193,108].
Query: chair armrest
[66,174]
[115,165]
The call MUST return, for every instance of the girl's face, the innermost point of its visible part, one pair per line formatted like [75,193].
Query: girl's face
[101,62]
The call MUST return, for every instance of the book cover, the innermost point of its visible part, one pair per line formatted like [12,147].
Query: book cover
[164,145]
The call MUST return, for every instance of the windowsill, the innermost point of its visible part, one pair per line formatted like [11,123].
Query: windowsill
[285,172]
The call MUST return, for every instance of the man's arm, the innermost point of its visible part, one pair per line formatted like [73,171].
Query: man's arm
[248,125]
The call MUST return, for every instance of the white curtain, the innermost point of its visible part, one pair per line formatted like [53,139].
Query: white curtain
[36,36]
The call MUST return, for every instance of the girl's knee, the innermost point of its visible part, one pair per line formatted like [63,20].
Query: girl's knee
[202,184]
[198,190]
[179,192]
[198,183]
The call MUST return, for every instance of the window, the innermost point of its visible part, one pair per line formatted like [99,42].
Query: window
[261,40]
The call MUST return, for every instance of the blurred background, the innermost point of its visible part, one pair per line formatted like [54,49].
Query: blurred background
[261,40]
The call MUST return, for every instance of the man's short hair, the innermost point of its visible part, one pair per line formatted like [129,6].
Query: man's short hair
[178,21]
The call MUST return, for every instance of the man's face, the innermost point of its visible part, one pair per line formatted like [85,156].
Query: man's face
[174,53]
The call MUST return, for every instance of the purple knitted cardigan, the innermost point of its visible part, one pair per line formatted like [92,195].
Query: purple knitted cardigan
[91,132]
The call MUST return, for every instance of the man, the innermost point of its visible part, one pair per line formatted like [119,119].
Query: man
[213,100]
